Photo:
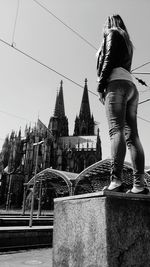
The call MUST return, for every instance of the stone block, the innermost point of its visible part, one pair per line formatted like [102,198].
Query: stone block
[103,229]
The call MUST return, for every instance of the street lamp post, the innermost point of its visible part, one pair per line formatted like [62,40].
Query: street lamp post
[34,181]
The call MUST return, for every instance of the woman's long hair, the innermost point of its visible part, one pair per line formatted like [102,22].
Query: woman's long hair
[116,22]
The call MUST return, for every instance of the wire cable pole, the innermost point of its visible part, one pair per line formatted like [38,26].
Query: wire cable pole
[13,36]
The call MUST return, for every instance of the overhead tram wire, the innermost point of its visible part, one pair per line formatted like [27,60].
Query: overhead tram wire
[142,73]
[65,24]
[79,35]
[15,116]
[85,40]
[143,119]
[140,66]
[147,100]
[43,64]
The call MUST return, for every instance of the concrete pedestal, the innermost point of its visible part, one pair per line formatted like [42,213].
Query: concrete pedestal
[102,230]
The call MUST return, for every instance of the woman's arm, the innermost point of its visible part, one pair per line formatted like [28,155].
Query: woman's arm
[108,60]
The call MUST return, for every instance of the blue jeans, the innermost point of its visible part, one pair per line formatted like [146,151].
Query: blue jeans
[121,110]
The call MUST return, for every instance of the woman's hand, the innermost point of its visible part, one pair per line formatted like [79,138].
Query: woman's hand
[101,97]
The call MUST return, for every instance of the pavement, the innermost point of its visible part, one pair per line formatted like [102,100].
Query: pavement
[27,258]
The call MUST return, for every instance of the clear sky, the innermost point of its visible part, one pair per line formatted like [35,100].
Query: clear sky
[28,90]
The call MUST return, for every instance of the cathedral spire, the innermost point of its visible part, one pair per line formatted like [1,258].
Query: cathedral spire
[59,105]
[84,123]
[85,106]
[58,124]
[56,106]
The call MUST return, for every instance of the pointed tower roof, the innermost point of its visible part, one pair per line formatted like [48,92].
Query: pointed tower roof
[85,106]
[59,105]
[56,106]
[84,124]
[58,124]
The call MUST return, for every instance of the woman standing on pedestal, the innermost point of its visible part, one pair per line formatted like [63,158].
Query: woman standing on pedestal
[119,94]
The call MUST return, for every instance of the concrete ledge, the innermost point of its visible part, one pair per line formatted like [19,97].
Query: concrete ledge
[103,229]
[25,237]
[9,221]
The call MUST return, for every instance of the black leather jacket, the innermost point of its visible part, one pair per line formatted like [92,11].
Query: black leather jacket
[114,53]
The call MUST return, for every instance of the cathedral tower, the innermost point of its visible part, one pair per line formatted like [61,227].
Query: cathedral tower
[84,123]
[58,124]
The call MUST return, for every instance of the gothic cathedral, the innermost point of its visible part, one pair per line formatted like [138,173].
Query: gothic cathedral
[74,153]
[58,150]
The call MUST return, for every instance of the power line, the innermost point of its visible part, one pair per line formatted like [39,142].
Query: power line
[75,32]
[79,35]
[143,73]
[143,119]
[147,100]
[62,22]
[43,64]
[16,116]
[140,66]
[22,118]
